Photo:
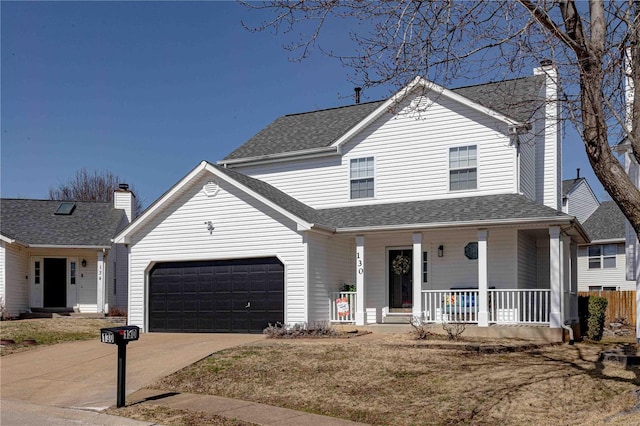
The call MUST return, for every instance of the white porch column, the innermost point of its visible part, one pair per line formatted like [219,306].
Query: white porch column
[417,275]
[483,279]
[361,305]
[100,283]
[555,277]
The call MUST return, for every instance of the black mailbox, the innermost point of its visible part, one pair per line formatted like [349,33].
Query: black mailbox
[118,335]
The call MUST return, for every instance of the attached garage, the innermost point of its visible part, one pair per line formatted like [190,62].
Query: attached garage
[222,296]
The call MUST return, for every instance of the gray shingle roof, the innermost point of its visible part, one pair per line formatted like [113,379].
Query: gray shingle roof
[34,222]
[297,132]
[471,209]
[274,195]
[516,99]
[606,223]
[569,184]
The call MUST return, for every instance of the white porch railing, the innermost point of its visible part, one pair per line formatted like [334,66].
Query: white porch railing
[450,305]
[348,297]
[504,306]
[519,306]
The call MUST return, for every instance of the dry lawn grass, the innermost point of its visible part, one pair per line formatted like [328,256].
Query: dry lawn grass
[49,331]
[396,380]
[172,417]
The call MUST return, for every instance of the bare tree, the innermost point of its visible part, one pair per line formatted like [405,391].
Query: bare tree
[91,186]
[595,46]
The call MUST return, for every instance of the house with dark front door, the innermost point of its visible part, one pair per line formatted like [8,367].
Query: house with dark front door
[58,255]
[441,204]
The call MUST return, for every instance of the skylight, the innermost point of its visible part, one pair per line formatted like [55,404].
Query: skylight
[65,208]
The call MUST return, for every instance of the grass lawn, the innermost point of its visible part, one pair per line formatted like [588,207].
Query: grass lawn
[394,379]
[48,331]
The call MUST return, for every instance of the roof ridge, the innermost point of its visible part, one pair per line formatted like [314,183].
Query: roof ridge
[532,77]
[332,108]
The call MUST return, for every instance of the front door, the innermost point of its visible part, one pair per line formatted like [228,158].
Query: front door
[55,283]
[400,279]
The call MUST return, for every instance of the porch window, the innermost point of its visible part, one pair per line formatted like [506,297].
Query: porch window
[424,266]
[72,272]
[463,170]
[361,177]
[36,272]
[602,256]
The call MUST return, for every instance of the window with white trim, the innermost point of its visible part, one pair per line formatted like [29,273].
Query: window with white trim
[361,178]
[602,256]
[463,170]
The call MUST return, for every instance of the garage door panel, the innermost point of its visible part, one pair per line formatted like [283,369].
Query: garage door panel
[212,296]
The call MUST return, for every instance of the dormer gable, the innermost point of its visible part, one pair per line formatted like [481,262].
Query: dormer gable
[323,132]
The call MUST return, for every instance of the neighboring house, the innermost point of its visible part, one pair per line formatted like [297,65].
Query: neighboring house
[578,198]
[58,255]
[602,263]
[442,204]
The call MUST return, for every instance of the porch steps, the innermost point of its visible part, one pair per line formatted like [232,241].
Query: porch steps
[397,318]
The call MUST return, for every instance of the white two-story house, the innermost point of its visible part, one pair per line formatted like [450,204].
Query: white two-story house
[439,204]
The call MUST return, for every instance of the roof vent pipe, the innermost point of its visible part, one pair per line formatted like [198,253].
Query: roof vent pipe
[357,90]
[578,175]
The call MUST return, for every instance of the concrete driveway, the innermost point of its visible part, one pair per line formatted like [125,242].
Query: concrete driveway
[84,374]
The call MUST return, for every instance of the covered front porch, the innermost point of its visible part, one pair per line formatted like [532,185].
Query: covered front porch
[508,275]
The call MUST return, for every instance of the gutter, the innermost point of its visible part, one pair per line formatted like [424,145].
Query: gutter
[279,157]
[466,224]
[53,246]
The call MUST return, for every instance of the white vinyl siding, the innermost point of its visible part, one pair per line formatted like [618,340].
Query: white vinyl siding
[117,279]
[13,279]
[527,166]
[527,261]
[603,277]
[331,262]
[581,202]
[411,158]
[244,228]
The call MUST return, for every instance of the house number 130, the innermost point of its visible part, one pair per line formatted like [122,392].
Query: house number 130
[359,264]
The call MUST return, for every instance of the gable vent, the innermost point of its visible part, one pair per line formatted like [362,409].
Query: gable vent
[65,209]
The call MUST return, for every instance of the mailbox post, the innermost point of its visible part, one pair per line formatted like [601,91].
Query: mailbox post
[120,336]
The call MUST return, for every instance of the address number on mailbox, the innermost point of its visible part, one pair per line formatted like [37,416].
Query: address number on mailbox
[116,335]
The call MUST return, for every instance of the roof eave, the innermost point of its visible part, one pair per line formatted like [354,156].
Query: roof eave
[279,157]
[70,246]
[11,240]
[459,224]
[608,241]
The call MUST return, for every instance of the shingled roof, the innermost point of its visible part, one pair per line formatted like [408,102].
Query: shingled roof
[606,223]
[569,184]
[443,211]
[34,222]
[517,99]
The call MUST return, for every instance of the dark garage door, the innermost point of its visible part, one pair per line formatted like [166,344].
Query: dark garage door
[229,296]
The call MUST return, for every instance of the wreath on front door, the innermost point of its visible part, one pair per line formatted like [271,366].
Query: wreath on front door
[401,264]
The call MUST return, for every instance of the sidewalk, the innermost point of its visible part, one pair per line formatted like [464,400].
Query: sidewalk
[252,412]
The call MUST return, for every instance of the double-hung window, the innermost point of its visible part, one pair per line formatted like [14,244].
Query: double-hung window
[361,177]
[602,256]
[463,169]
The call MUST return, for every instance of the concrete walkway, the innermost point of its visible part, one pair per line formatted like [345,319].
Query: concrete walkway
[252,412]
[68,382]
[84,374]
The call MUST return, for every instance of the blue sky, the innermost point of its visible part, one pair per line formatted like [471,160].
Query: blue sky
[147,90]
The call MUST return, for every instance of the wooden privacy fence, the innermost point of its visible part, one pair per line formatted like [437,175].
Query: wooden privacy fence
[622,304]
